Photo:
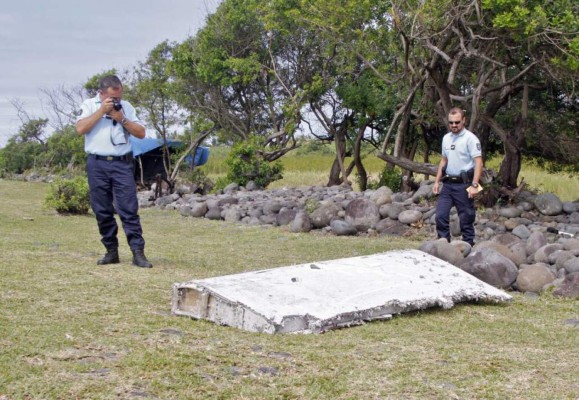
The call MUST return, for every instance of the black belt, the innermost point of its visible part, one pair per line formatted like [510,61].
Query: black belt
[124,157]
[453,179]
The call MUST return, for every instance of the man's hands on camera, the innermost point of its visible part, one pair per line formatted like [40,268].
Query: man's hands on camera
[107,107]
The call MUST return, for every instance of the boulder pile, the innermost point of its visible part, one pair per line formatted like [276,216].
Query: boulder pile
[531,245]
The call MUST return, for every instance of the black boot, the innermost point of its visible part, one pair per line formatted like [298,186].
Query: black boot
[140,260]
[111,257]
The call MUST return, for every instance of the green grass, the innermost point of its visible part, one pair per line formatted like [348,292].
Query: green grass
[72,330]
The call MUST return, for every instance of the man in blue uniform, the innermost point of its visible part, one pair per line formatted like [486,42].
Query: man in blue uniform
[106,122]
[460,169]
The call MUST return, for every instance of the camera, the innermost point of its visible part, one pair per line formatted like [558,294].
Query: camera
[117,106]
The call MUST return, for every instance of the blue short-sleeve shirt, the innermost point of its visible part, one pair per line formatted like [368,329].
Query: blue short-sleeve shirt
[460,150]
[107,138]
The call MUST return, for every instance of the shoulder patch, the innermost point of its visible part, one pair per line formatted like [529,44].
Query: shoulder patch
[478,146]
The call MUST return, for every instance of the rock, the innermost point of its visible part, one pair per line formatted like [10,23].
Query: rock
[232,187]
[342,228]
[423,192]
[444,250]
[535,242]
[570,208]
[542,254]
[522,231]
[213,213]
[198,209]
[464,247]
[285,216]
[391,210]
[510,212]
[362,214]
[571,265]
[272,207]
[324,214]
[232,215]
[506,239]
[491,267]
[562,257]
[251,186]
[382,195]
[409,216]
[571,244]
[533,278]
[569,287]
[502,249]
[301,223]
[548,204]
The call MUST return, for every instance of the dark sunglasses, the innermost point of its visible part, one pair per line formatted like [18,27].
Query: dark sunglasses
[454,122]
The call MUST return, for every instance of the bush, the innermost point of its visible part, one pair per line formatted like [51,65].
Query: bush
[69,196]
[245,164]
[390,177]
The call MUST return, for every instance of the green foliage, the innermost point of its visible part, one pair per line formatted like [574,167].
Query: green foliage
[246,163]
[69,196]
[314,146]
[390,177]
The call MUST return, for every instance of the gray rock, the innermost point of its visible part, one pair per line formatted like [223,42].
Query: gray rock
[285,216]
[571,244]
[268,219]
[445,251]
[562,257]
[569,287]
[491,267]
[301,223]
[510,212]
[272,207]
[198,209]
[391,210]
[232,187]
[232,215]
[502,249]
[571,265]
[213,213]
[570,208]
[324,214]
[409,216]
[522,231]
[362,214]
[533,278]
[542,253]
[382,195]
[548,204]
[462,246]
[342,228]
[535,242]
[251,186]
[423,192]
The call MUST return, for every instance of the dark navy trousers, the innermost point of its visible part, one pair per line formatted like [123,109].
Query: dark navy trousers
[455,194]
[113,181]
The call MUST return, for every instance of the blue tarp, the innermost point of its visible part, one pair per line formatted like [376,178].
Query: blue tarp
[143,146]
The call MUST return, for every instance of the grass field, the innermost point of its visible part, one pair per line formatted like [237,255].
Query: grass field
[72,330]
[313,169]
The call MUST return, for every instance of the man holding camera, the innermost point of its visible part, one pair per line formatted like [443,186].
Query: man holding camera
[106,122]
[460,169]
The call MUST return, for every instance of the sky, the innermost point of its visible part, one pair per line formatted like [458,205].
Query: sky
[53,43]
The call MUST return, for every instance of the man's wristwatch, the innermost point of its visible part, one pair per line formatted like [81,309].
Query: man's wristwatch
[124,121]
[474,184]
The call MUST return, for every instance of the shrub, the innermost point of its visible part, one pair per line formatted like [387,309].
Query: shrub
[69,196]
[246,163]
[390,177]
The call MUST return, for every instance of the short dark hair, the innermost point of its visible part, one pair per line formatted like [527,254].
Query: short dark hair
[108,81]
[457,110]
